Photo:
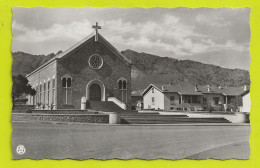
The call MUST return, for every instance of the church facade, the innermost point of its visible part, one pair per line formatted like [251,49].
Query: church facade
[92,68]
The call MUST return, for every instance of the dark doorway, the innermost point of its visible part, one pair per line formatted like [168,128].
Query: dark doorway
[95,92]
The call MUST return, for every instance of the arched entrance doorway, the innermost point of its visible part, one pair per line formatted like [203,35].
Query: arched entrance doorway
[95,92]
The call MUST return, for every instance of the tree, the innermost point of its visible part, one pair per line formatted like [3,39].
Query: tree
[21,86]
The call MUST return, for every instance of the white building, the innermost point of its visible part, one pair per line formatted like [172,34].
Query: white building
[246,103]
[170,97]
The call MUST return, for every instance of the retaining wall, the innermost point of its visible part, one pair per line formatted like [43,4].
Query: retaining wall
[237,117]
[63,111]
[83,118]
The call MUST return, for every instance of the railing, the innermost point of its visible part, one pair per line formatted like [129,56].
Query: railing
[117,102]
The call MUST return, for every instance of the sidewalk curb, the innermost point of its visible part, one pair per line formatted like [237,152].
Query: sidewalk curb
[106,124]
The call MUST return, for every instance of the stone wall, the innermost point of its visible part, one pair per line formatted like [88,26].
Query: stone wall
[82,118]
[75,64]
[63,111]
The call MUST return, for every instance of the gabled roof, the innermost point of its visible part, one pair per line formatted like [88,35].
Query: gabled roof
[197,90]
[157,86]
[80,43]
[245,92]
[227,91]
[116,52]
[183,90]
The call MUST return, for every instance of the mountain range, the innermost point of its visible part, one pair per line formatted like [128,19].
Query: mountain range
[148,68]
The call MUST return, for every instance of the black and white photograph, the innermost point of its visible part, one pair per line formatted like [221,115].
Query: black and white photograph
[130,83]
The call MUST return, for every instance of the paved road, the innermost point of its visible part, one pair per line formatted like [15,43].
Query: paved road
[236,150]
[60,141]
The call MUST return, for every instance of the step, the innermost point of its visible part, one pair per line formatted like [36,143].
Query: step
[158,116]
[182,119]
[169,122]
[165,120]
[105,106]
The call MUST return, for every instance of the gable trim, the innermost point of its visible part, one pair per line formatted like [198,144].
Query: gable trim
[45,65]
[149,88]
[61,55]
[79,44]
[115,51]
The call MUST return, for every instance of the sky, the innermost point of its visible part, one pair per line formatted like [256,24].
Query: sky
[218,36]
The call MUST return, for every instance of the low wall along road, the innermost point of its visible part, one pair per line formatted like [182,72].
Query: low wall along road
[83,118]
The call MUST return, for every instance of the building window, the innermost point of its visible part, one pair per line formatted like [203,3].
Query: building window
[172,100]
[44,92]
[53,91]
[49,92]
[64,82]
[216,100]
[40,94]
[95,61]
[152,90]
[204,100]
[153,101]
[228,100]
[68,82]
[189,99]
[67,92]
[36,96]
[122,84]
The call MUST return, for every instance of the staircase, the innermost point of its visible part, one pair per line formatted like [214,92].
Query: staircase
[146,118]
[117,102]
[105,106]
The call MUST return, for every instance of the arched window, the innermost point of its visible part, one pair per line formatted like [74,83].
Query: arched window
[64,82]
[66,89]
[122,84]
[68,82]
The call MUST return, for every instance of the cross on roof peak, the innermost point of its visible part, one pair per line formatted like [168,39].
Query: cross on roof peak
[96,27]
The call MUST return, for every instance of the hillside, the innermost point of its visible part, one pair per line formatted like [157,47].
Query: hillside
[24,63]
[154,69]
[149,68]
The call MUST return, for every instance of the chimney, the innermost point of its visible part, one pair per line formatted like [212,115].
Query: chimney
[196,88]
[209,89]
[163,88]
[245,88]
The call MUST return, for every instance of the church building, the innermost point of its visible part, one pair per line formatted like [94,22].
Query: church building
[92,68]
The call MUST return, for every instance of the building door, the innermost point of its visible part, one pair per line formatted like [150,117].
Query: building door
[95,92]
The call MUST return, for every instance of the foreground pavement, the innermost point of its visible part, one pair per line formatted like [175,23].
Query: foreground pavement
[60,141]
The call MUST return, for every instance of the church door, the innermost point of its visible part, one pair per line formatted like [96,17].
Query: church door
[95,92]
